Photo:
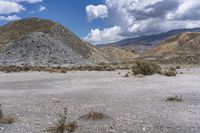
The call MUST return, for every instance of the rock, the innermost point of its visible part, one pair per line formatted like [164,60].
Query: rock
[139,76]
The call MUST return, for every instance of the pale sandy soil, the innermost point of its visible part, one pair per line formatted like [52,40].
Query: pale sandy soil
[134,105]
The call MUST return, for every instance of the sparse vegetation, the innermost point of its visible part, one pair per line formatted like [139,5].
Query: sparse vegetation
[63,70]
[146,68]
[178,67]
[5,119]
[1,111]
[105,67]
[94,115]
[170,72]
[62,125]
[175,98]
[126,75]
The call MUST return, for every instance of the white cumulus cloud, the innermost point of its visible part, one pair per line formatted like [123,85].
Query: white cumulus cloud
[94,12]
[7,7]
[10,8]
[9,18]
[104,36]
[29,1]
[42,8]
[143,17]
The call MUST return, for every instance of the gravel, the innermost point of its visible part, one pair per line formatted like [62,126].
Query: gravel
[132,104]
[40,49]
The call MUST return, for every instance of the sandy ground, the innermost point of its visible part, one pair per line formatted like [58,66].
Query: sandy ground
[134,105]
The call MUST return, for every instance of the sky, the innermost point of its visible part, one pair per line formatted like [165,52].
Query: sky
[106,21]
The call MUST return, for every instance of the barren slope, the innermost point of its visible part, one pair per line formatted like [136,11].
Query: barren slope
[22,33]
[119,54]
[180,49]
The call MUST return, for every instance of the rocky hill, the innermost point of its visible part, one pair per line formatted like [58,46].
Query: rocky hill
[144,43]
[40,42]
[185,46]
[119,54]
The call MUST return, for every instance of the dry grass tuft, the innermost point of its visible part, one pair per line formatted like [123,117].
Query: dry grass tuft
[62,125]
[175,98]
[126,75]
[178,67]
[5,119]
[92,115]
[170,72]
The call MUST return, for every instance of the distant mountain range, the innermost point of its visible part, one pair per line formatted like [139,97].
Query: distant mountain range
[144,43]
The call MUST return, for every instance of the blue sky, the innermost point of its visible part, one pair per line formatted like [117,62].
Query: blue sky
[105,21]
[70,13]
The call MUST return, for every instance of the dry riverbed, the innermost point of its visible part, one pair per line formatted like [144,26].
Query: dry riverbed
[131,104]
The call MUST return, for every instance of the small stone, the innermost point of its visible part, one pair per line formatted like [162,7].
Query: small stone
[139,76]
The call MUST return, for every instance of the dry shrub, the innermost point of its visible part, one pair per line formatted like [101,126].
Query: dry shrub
[146,68]
[178,67]
[170,72]
[105,67]
[1,111]
[62,125]
[102,68]
[97,67]
[175,98]
[126,75]
[94,115]
[63,70]
[5,119]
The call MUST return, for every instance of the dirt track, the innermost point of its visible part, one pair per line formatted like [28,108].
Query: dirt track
[133,104]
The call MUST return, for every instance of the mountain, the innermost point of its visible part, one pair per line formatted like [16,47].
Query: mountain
[40,42]
[184,47]
[144,43]
[119,54]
